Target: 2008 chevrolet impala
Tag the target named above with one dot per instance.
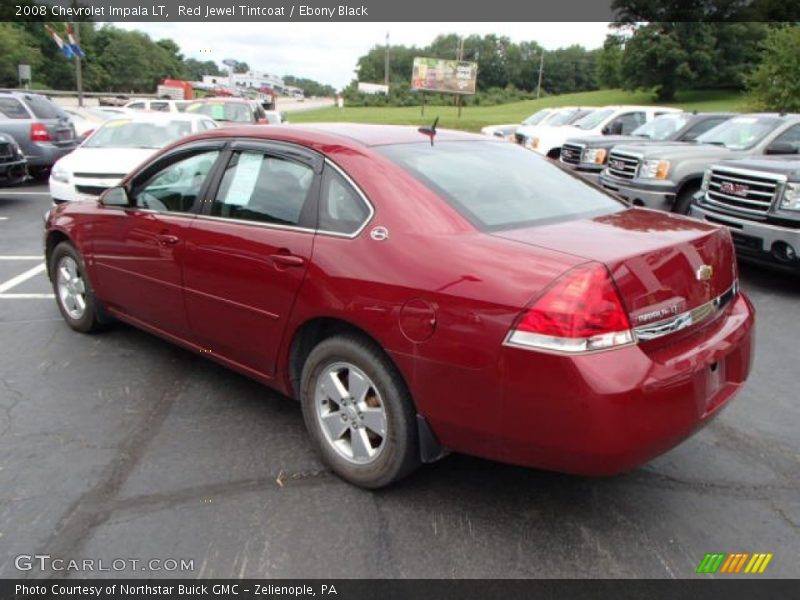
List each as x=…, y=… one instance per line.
x=417, y=292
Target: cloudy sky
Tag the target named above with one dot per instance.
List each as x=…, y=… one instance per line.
x=327, y=52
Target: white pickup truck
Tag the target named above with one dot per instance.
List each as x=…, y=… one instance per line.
x=605, y=120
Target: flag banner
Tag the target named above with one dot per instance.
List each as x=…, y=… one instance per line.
x=73, y=43
x=65, y=48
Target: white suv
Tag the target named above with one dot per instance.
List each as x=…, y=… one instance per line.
x=605, y=120
x=159, y=105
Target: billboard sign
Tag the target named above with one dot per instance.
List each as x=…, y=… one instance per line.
x=445, y=76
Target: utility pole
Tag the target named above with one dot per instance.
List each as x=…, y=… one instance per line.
x=78, y=69
x=541, y=66
x=386, y=63
x=460, y=57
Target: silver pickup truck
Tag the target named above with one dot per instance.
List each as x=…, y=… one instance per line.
x=666, y=176
x=758, y=199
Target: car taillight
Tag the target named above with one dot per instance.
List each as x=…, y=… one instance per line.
x=580, y=312
x=39, y=133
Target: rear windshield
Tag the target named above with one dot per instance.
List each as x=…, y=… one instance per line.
x=236, y=112
x=43, y=108
x=497, y=185
x=12, y=108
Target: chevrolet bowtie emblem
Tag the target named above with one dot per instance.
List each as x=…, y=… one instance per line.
x=704, y=272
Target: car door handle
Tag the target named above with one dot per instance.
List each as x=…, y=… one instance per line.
x=165, y=239
x=287, y=260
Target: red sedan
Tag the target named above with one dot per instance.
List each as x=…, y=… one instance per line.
x=418, y=293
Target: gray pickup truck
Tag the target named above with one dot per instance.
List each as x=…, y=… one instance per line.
x=666, y=176
x=588, y=155
x=758, y=199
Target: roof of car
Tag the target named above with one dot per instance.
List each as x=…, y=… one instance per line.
x=345, y=134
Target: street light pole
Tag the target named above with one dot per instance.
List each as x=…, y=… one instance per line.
x=78, y=69
x=541, y=66
x=386, y=63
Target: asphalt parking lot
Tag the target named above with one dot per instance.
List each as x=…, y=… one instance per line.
x=120, y=445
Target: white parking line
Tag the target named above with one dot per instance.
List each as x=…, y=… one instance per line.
x=21, y=257
x=3, y=218
x=26, y=296
x=10, y=193
x=15, y=281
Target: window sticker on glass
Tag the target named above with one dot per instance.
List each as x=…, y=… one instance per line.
x=244, y=179
x=217, y=111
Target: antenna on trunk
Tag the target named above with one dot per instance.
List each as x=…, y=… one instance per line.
x=430, y=131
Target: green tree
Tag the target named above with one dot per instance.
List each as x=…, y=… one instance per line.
x=195, y=69
x=609, y=62
x=17, y=46
x=241, y=67
x=775, y=84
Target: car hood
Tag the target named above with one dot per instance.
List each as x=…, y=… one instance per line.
x=106, y=161
x=678, y=150
x=607, y=141
x=782, y=165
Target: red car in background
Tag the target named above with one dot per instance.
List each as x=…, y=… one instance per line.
x=418, y=292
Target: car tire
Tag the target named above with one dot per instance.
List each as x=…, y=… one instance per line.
x=74, y=293
x=684, y=199
x=39, y=173
x=358, y=412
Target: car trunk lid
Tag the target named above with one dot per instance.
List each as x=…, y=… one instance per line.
x=663, y=265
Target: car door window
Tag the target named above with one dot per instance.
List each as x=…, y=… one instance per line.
x=13, y=109
x=264, y=188
x=629, y=122
x=341, y=209
x=136, y=105
x=160, y=106
x=175, y=188
x=790, y=136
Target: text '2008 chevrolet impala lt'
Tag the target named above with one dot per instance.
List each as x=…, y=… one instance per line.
x=418, y=292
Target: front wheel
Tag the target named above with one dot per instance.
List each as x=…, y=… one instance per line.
x=684, y=200
x=73, y=290
x=358, y=412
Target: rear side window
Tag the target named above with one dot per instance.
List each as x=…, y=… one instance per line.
x=341, y=209
x=13, y=109
x=497, y=185
x=161, y=106
x=264, y=188
x=43, y=108
x=137, y=106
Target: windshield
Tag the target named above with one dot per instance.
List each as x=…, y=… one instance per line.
x=237, y=112
x=593, y=119
x=537, y=117
x=563, y=117
x=740, y=133
x=663, y=127
x=500, y=186
x=124, y=133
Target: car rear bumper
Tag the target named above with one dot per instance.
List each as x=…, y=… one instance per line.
x=45, y=155
x=604, y=413
x=657, y=198
x=756, y=240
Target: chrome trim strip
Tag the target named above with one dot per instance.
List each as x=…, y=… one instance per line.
x=749, y=173
x=652, y=331
x=735, y=209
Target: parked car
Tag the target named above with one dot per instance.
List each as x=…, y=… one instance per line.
x=13, y=166
x=560, y=117
x=41, y=129
x=508, y=130
x=464, y=294
x=86, y=120
x=758, y=199
x=606, y=120
x=589, y=154
x=666, y=176
x=230, y=111
x=157, y=104
x=115, y=148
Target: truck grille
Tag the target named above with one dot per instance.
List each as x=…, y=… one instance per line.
x=571, y=153
x=623, y=166
x=742, y=191
x=519, y=138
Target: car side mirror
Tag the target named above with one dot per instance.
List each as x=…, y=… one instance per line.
x=116, y=196
x=781, y=148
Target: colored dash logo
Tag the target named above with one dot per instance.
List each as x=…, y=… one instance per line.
x=741, y=562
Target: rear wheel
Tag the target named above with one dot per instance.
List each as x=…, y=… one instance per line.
x=358, y=412
x=73, y=290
